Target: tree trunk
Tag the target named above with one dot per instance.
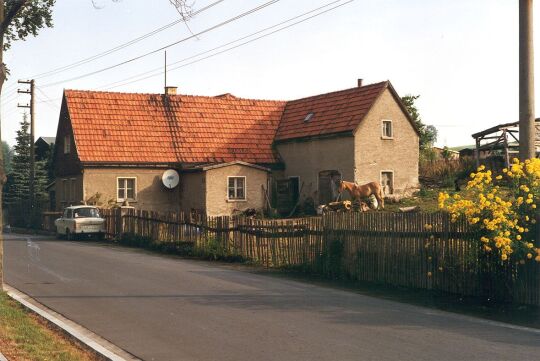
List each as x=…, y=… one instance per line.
x=2, y=171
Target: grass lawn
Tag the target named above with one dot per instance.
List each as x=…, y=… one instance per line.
x=25, y=336
x=426, y=199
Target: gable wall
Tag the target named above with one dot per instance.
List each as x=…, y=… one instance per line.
x=305, y=159
x=65, y=164
x=372, y=154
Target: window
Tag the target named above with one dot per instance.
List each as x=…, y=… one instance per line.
x=86, y=213
x=73, y=191
x=328, y=186
x=309, y=117
x=236, y=188
x=126, y=189
x=387, y=182
x=294, y=184
x=387, y=130
x=65, y=190
x=67, y=144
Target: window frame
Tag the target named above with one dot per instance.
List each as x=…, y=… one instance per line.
x=125, y=178
x=245, y=189
x=64, y=190
x=333, y=173
x=393, y=180
x=72, y=189
x=67, y=144
x=383, y=135
x=297, y=177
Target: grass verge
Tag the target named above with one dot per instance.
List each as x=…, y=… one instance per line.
x=25, y=336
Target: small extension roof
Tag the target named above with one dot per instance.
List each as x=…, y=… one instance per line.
x=48, y=140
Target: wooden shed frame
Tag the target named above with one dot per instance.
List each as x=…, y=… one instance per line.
x=504, y=137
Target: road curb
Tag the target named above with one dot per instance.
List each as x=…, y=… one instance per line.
x=93, y=341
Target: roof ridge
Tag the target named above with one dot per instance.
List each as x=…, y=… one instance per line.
x=234, y=97
x=386, y=82
x=214, y=97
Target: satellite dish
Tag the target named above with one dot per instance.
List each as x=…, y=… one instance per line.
x=170, y=178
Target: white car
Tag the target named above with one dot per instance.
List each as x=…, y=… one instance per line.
x=80, y=220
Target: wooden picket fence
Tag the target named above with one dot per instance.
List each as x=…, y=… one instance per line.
x=388, y=248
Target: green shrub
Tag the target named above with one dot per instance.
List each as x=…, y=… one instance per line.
x=213, y=249
x=330, y=262
x=178, y=247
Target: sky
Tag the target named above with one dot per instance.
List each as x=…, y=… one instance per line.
x=460, y=56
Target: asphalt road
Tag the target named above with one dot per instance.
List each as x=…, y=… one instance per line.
x=163, y=308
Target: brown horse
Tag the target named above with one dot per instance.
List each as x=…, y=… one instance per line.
x=357, y=192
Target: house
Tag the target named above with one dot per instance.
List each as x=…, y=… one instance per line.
x=446, y=153
x=113, y=148
x=228, y=152
x=361, y=134
x=43, y=145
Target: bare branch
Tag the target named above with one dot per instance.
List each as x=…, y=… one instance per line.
x=98, y=7
x=184, y=9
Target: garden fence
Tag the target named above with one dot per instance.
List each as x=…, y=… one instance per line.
x=415, y=250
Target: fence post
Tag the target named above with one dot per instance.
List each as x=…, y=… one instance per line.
x=536, y=275
x=122, y=211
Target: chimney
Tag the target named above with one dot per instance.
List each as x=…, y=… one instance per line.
x=170, y=90
x=360, y=82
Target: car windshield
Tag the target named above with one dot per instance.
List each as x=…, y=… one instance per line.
x=86, y=213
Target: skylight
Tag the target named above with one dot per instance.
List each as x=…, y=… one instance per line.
x=308, y=117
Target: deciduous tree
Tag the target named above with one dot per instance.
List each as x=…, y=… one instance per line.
x=18, y=20
x=428, y=133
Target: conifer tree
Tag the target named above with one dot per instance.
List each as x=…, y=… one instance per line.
x=17, y=192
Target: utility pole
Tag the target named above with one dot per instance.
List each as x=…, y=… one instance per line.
x=527, y=149
x=32, y=147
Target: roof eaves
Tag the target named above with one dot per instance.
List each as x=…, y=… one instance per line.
x=236, y=162
x=307, y=138
x=403, y=107
x=93, y=164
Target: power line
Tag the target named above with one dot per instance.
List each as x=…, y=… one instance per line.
x=119, y=47
x=48, y=101
x=249, y=12
x=9, y=97
x=123, y=82
x=242, y=44
x=160, y=70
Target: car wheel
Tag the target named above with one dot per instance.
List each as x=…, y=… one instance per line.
x=58, y=235
x=69, y=235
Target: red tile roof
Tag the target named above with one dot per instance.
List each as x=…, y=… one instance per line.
x=151, y=128
x=335, y=112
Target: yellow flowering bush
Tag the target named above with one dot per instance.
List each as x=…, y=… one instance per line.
x=503, y=208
